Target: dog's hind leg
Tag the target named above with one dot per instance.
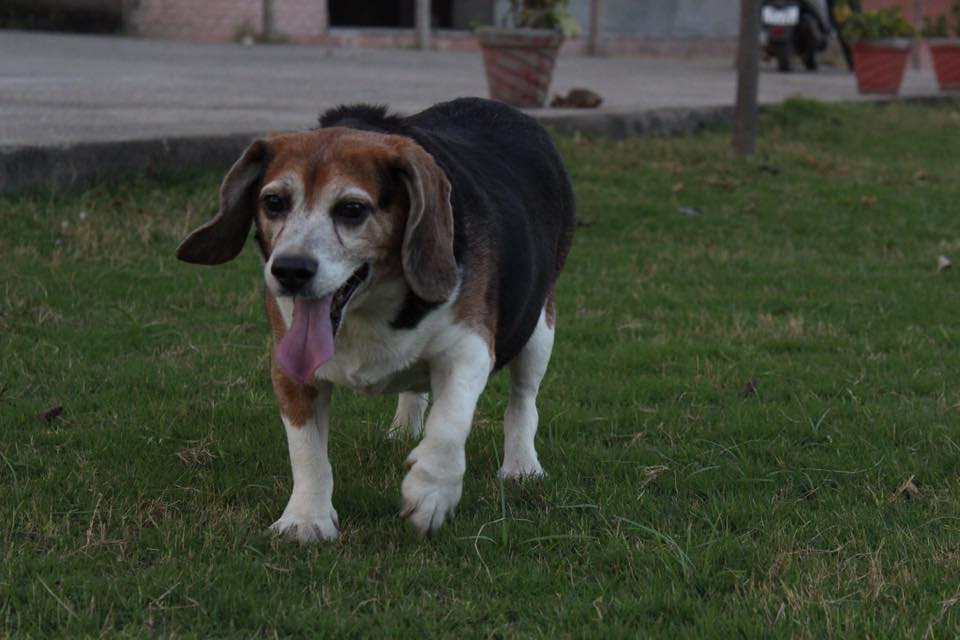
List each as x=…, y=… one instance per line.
x=520, y=421
x=408, y=419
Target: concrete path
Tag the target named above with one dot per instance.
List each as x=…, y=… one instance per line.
x=75, y=110
x=57, y=89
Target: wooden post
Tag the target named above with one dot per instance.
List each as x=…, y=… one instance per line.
x=324, y=17
x=422, y=20
x=918, y=26
x=593, y=36
x=269, y=29
x=748, y=63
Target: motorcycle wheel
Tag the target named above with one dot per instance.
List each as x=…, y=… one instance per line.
x=782, y=52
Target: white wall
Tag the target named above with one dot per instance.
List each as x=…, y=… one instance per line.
x=659, y=19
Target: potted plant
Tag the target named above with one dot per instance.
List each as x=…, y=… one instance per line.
x=881, y=45
x=519, y=55
x=945, y=49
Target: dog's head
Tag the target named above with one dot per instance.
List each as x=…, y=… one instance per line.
x=334, y=209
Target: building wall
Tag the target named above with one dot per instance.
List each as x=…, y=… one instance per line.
x=224, y=20
x=650, y=27
x=658, y=19
x=668, y=27
x=300, y=20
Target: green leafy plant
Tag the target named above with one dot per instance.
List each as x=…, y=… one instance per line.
x=542, y=14
x=935, y=27
x=882, y=24
x=940, y=26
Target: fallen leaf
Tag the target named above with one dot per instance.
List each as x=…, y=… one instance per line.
x=906, y=489
x=577, y=99
x=749, y=390
x=769, y=168
x=669, y=167
x=677, y=188
x=943, y=263
x=722, y=182
x=868, y=201
x=51, y=413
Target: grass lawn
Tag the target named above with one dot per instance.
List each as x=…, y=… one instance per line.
x=751, y=423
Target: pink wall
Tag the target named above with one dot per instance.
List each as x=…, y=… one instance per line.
x=225, y=20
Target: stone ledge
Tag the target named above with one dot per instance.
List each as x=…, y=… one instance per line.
x=80, y=165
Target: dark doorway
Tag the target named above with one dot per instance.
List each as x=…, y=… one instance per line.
x=446, y=14
x=387, y=13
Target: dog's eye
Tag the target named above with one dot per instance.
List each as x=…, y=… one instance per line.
x=274, y=205
x=351, y=212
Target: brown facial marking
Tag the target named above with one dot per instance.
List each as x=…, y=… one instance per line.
x=296, y=399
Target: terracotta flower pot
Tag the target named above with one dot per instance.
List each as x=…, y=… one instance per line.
x=879, y=65
x=946, y=63
x=519, y=63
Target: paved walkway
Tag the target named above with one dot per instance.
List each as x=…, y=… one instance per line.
x=57, y=89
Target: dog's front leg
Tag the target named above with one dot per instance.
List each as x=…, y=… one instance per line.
x=432, y=487
x=309, y=515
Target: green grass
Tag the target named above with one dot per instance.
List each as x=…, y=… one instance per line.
x=676, y=505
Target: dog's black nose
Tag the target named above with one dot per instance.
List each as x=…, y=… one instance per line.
x=293, y=272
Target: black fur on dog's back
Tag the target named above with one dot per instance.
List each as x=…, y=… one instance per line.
x=509, y=191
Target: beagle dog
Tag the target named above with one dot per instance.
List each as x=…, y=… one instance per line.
x=408, y=255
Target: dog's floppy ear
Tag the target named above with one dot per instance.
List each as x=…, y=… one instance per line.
x=222, y=238
x=427, y=253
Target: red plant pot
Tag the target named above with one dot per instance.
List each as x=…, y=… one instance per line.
x=879, y=65
x=519, y=63
x=946, y=63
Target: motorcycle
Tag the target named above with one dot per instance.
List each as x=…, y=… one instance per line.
x=800, y=27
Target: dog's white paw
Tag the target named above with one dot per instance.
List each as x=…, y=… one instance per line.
x=431, y=491
x=308, y=527
x=521, y=468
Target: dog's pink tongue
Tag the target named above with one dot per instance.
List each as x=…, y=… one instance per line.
x=309, y=340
